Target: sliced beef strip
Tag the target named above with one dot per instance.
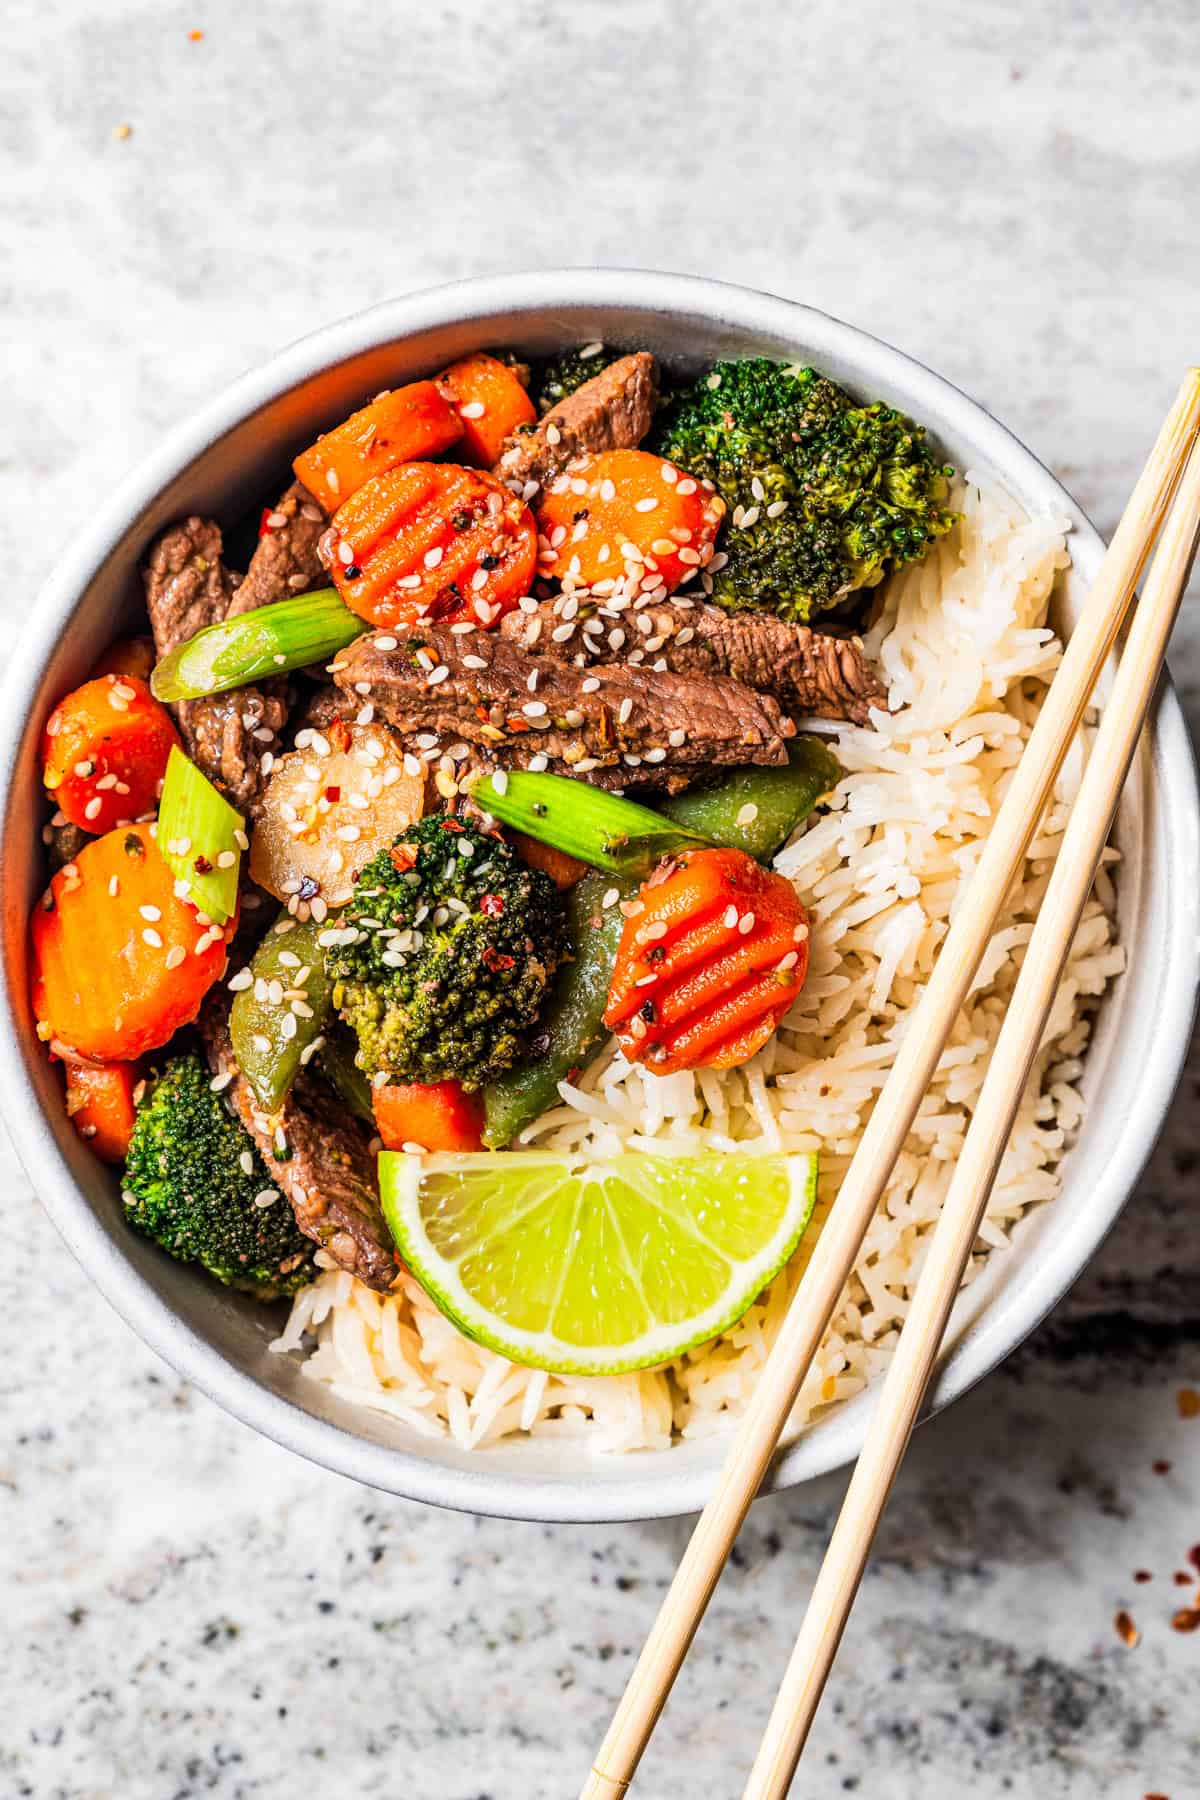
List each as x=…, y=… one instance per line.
x=187, y=588
x=808, y=672
x=612, y=411
x=329, y=1176
x=614, y=716
x=285, y=562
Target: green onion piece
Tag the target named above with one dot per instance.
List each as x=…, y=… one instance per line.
x=201, y=838
x=602, y=829
x=289, y=635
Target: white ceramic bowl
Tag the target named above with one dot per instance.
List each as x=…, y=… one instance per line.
x=233, y=453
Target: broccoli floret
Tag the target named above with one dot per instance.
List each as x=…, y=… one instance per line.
x=187, y=1187
x=824, y=496
x=455, y=942
x=562, y=374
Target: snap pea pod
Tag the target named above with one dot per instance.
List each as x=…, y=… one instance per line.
x=288, y=982
x=757, y=810
x=344, y=1075
x=570, y=1029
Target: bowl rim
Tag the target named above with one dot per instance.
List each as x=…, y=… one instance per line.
x=481, y=1489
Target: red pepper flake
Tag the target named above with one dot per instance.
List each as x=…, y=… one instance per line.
x=452, y=826
x=339, y=735
x=202, y=865
x=1142, y=1575
x=1181, y=1578
x=497, y=961
x=1127, y=1631
x=333, y=795
x=1187, y=1620
x=1188, y=1402
x=1161, y=1467
x=264, y=521
x=1156, y=1797
x=402, y=857
x=492, y=906
x=1193, y=1556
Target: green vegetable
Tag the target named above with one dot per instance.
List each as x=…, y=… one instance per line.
x=343, y=1074
x=570, y=1029
x=601, y=829
x=860, y=491
x=187, y=1186
x=289, y=635
x=274, y=1022
x=442, y=958
x=201, y=838
x=565, y=373
x=757, y=810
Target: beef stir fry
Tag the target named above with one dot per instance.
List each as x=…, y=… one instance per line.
x=482, y=760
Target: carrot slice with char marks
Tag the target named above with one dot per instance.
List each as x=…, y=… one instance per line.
x=397, y=427
x=710, y=960
x=436, y=539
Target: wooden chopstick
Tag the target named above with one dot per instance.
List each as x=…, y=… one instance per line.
x=837, y=1247
x=975, y=1172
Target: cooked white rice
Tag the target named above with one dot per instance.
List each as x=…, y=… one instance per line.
x=965, y=652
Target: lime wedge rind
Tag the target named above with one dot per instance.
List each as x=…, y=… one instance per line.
x=403, y=1178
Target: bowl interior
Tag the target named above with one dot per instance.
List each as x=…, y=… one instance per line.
x=235, y=456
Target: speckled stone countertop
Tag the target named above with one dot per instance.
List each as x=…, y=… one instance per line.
x=1002, y=189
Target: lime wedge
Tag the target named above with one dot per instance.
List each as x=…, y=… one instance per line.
x=595, y=1269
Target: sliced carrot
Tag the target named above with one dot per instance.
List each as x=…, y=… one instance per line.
x=438, y=1115
x=119, y=962
x=491, y=402
x=128, y=656
x=563, y=870
x=397, y=427
x=101, y=1106
x=105, y=750
x=627, y=514
x=433, y=539
x=709, y=962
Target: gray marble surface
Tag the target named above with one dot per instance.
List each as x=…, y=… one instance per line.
x=1005, y=190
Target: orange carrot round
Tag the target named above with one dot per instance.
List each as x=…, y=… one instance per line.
x=711, y=958
x=101, y=1106
x=563, y=869
x=437, y=1115
x=397, y=427
x=128, y=656
x=119, y=962
x=105, y=750
x=433, y=539
x=626, y=514
x=491, y=401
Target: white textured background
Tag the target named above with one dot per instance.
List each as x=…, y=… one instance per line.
x=1006, y=190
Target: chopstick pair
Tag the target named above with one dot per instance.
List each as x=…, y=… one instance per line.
x=1173, y=469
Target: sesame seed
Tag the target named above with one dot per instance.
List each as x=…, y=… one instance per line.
x=288, y=1027
x=385, y=643
x=240, y=838
x=656, y=755
x=590, y=685
x=749, y=518
x=268, y=763
x=776, y=507
x=349, y=834
x=531, y=681
x=747, y=814
x=474, y=409
x=332, y=482
x=151, y=937
x=433, y=557
x=689, y=556
x=219, y=1083
x=114, y=885
x=746, y=924
x=263, y=734
x=787, y=962
x=624, y=710
x=757, y=489
x=800, y=934
x=345, y=553
x=261, y=1043
x=267, y=1197
x=616, y=638
x=608, y=489
x=646, y=505
x=729, y=918
x=611, y=896
x=152, y=914
x=539, y=762
x=590, y=350
x=92, y=809
x=553, y=434
x=687, y=486
x=226, y=859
